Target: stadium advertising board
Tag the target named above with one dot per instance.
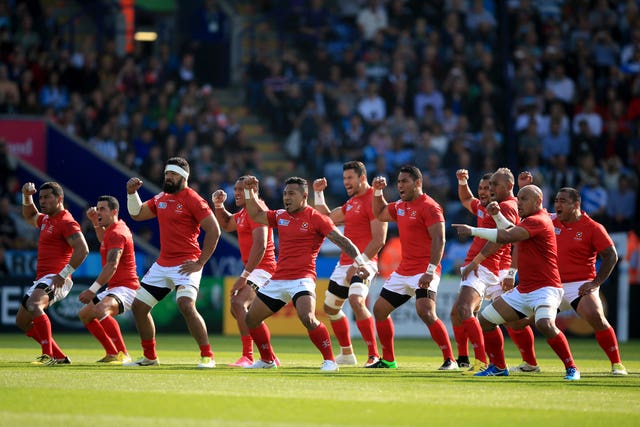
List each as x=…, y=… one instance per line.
x=25, y=140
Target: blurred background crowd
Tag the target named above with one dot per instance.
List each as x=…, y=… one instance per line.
x=548, y=86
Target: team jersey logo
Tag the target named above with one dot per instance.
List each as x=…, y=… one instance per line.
x=557, y=230
x=480, y=214
x=578, y=235
x=413, y=214
x=162, y=205
x=349, y=207
x=283, y=222
x=305, y=225
x=400, y=212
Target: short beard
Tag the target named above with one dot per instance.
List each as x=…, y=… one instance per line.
x=171, y=188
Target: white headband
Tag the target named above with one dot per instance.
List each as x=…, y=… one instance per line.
x=178, y=170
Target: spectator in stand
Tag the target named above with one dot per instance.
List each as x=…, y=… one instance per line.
x=621, y=206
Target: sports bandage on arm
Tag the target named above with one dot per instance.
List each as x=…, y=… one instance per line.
x=490, y=234
x=318, y=198
x=501, y=222
x=27, y=200
x=462, y=181
x=95, y=287
x=245, y=273
x=247, y=194
x=66, y=271
x=511, y=273
x=134, y=204
x=431, y=269
x=377, y=192
x=360, y=260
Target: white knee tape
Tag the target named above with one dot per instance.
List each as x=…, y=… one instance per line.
x=545, y=312
x=188, y=292
x=359, y=288
x=492, y=315
x=330, y=300
x=144, y=296
x=333, y=317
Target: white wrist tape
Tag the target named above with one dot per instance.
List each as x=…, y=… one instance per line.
x=462, y=182
x=490, y=234
x=377, y=192
x=318, y=198
x=501, y=222
x=247, y=193
x=364, y=257
x=95, y=287
x=27, y=199
x=245, y=274
x=66, y=271
x=134, y=204
x=512, y=273
x=361, y=260
x=431, y=269
x=218, y=205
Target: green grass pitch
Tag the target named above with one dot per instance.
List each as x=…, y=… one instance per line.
x=298, y=394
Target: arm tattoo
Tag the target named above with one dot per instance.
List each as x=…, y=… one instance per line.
x=343, y=243
x=114, y=255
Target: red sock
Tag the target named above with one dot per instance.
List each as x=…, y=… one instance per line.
x=205, y=350
x=560, y=345
x=149, y=349
x=97, y=331
x=385, y=333
x=43, y=332
x=33, y=333
x=247, y=346
x=57, y=352
x=341, y=330
x=494, y=342
x=474, y=332
x=609, y=343
x=112, y=328
x=322, y=340
x=368, y=332
x=523, y=339
x=441, y=337
x=462, y=341
x=262, y=337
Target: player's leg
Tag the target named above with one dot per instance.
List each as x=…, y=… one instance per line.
x=186, y=298
x=35, y=304
x=522, y=336
x=334, y=300
x=358, y=292
x=305, y=304
x=426, y=310
x=459, y=336
x=89, y=315
x=498, y=312
x=264, y=305
x=386, y=303
x=546, y=302
x=469, y=300
x=240, y=303
x=589, y=307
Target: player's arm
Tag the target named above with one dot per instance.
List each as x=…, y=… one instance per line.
x=258, y=247
x=318, y=197
x=378, y=238
x=92, y=215
x=211, y=237
x=512, y=235
x=224, y=217
x=609, y=257
x=509, y=282
x=464, y=191
x=255, y=211
x=347, y=246
x=80, y=249
x=379, y=207
x=436, y=231
x=107, y=272
x=139, y=211
x=29, y=211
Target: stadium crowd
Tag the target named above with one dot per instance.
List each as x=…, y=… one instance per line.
x=384, y=82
